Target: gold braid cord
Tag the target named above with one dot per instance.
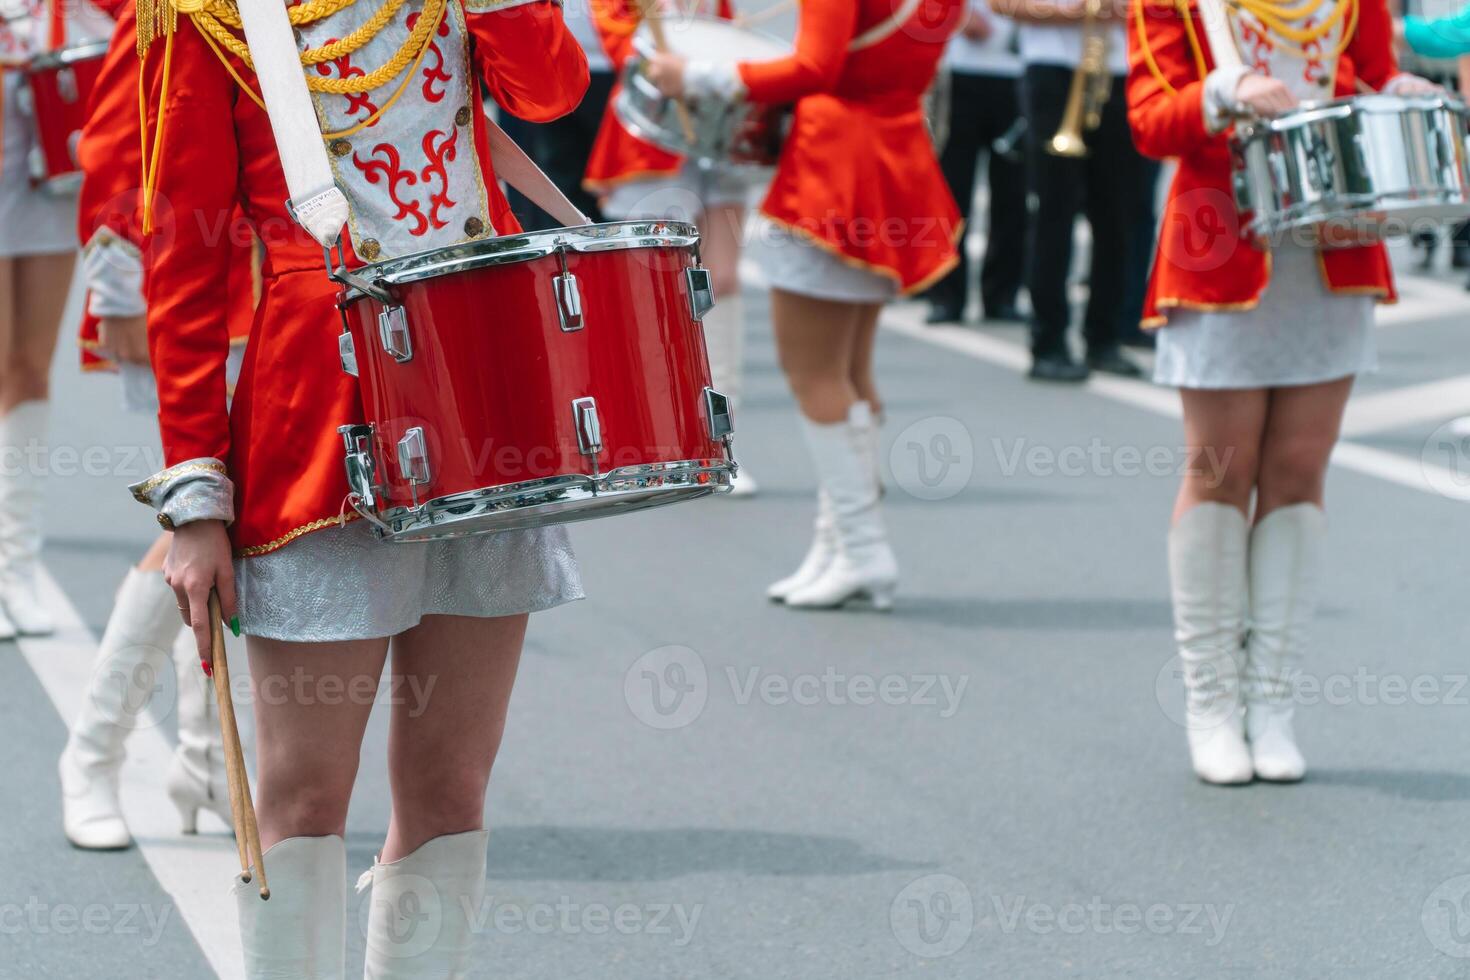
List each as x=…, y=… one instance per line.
x=1276, y=17
x=219, y=20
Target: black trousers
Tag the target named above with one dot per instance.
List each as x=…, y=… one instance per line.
x=1104, y=186
x=561, y=148
x=982, y=108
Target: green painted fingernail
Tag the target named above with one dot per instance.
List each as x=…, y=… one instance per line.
x=235, y=625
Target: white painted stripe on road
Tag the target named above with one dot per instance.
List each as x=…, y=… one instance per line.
x=1422, y=298
x=1394, y=468
x=196, y=871
x=1432, y=401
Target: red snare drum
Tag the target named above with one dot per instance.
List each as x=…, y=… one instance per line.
x=532, y=379
x=61, y=84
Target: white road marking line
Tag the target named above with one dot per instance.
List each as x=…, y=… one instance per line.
x=1393, y=467
x=1432, y=401
x=1421, y=298
x=195, y=871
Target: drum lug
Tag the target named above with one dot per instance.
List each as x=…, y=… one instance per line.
x=717, y=415
x=362, y=468
x=347, y=351
x=589, y=428
x=568, y=302
x=66, y=85
x=701, y=291
x=413, y=457
x=393, y=332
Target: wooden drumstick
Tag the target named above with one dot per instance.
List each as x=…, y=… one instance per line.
x=648, y=11
x=247, y=834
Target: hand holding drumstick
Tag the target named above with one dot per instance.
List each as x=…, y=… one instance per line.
x=666, y=70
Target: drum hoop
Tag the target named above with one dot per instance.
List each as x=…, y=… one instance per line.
x=68, y=56
x=612, y=236
x=1348, y=106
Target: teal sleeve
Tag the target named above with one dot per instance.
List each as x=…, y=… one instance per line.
x=1446, y=37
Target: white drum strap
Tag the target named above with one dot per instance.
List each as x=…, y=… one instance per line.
x=520, y=171
x=1217, y=31
x=884, y=30
x=316, y=203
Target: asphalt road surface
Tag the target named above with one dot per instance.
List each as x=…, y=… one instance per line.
x=989, y=782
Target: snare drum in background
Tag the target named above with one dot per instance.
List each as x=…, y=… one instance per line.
x=532, y=379
x=736, y=133
x=1353, y=170
x=60, y=85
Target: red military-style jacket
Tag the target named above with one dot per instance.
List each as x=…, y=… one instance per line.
x=1205, y=261
x=858, y=175
x=417, y=174
x=109, y=152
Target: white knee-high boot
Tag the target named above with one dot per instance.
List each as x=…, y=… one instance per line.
x=196, y=776
x=1207, y=572
x=1285, y=558
x=724, y=341
x=426, y=909
x=301, y=932
x=864, y=564
x=131, y=658
x=823, y=549
x=22, y=436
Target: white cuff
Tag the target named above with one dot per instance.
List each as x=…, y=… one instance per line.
x=1220, y=103
x=711, y=79
x=113, y=271
x=1392, y=86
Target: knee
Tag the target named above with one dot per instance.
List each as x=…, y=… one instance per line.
x=1227, y=475
x=1294, y=473
x=444, y=803
x=304, y=802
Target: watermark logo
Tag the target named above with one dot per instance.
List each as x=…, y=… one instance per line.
x=667, y=688
x=933, y=458
x=1445, y=459
x=933, y=916
x=1445, y=917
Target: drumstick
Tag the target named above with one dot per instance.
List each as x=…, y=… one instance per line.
x=247, y=834
x=648, y=10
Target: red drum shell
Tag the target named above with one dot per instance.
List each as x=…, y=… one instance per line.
x=61, y=85
x=493, y=376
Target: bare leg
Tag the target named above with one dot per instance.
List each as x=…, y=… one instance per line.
x=815, y=339
x=1301, y=428
x=720, y=229
x=863, y=381
x=40, y=283
x=452, y=676
x=312, y=702
x=1222, y=432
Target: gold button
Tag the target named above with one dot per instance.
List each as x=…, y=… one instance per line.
x=341, y=148
x=369, y=249
x=165, y=522
x=462, y=116
x=474, y=227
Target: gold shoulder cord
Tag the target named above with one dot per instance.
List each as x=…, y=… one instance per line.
x=218, y=22
x=1278, y=18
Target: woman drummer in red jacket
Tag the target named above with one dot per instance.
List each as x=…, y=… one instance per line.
x=255, y=494
x=857, y=214
x=37, y=253
x=1263, y=344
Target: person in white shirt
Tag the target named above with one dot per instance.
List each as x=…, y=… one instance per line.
x=1101, y=185
x=984, y=108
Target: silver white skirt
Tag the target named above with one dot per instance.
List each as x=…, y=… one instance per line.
x=32, y=222
x=793, y=264
x=1298, y=334
x=344, y=584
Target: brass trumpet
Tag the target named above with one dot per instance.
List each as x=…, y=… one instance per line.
x=1091, y=85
